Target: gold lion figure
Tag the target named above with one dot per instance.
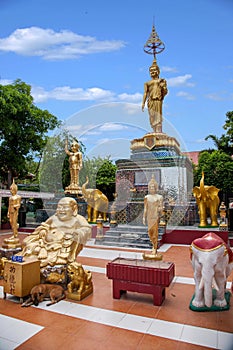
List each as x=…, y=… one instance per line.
x=80, y=279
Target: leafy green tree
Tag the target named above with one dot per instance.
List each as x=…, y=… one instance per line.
x=105, y=179
x=23, y=132
x=50, y=172
x=218, y=169
x=225, y=141
x=101, y=174
x=54, y=168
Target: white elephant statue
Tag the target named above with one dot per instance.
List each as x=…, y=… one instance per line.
x=212, y=261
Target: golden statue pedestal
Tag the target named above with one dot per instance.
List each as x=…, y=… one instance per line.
x=11, y=243
x=80, y=295
x=73, y=189
x=154, y=140
x=152, y=256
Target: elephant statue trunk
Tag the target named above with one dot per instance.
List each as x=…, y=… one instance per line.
x=84, y=190
x=202, y=188
x=212, y=261
x=97, y=202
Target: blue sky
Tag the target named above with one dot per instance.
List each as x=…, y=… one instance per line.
x=86, y=64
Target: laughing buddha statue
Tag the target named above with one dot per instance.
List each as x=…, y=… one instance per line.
x=59, y=239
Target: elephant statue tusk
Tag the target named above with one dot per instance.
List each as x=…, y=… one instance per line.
x=215, y=284
x=201, y=285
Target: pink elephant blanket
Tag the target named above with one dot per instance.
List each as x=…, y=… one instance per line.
x=211, y=241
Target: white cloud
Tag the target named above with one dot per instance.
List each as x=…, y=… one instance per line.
x=39, y=94
x=112, y=127
x=92, y=133
x=181, y=80
x=94, y=129
x=134, y=98
x=131, y=108
x=186, y=95
x=76, y=94
x=220, y=96
x=66, y=93
x=104, y=140
x=215, y=96
x=200, y=140
x=79, y=129
x=6, y=82
x=51, y=45
x=168, y=69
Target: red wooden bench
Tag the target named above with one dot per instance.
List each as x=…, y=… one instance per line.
x=142, y=276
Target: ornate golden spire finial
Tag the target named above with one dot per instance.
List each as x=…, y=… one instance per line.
x=154, y=45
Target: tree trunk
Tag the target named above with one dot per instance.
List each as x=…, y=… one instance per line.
x=9, y=179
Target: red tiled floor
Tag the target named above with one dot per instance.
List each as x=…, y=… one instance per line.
x=63, y=331
x=149, y=342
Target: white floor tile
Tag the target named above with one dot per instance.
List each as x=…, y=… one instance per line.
x=200, y=336
x=135, y=323
x=225, y=341
x=166, y=329
x=6, y=344
x=184, y=280
x=62, y=307
x=16, y=330
x=95, y=269
x=164, y=248
x=108, y=317
x=108, y=254
x=82, y=311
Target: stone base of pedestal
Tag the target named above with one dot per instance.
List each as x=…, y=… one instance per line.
x=54, y=274
x=9, y=252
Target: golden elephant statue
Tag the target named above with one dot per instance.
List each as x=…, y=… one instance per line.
x=97, y=202
x=208, y=202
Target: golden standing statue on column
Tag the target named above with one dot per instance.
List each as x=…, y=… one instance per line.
x=156, y=89
x=153, y=208
x=75, y=165
x=12, y=214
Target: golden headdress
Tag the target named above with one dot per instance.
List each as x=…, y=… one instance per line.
x=14, y=186
x=153, y=182
x=154, y=65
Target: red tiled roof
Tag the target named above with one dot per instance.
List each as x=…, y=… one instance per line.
x=193, y=156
